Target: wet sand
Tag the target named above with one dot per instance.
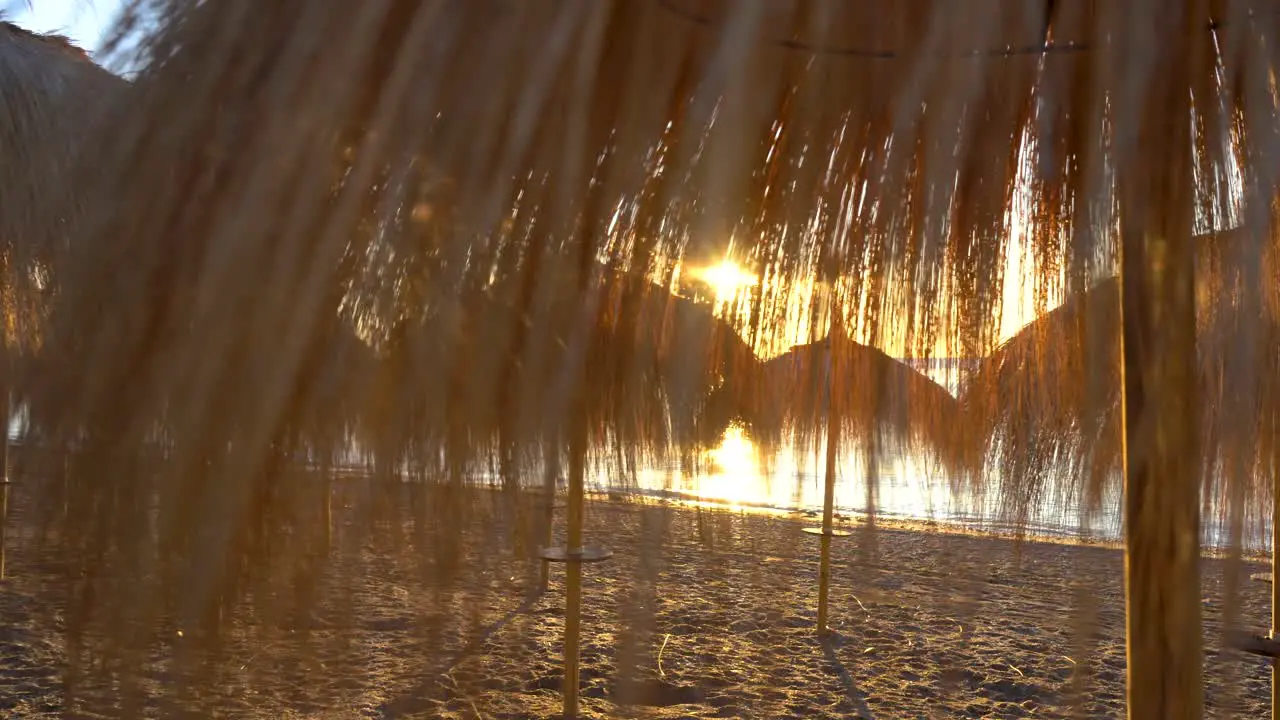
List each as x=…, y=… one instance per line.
x=711, y=612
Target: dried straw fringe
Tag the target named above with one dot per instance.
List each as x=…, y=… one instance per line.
x=449, y=228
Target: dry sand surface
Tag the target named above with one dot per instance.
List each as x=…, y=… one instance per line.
x=712, y=613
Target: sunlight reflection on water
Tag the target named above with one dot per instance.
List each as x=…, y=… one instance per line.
x=738, y=475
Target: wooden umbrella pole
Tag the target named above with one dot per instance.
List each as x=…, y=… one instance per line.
x=1275, y=574
x=1160, y=412
x=8, y=418
x=326, y=488
x=827, y=501
x=550, y=474
x=833, y=439
x=573, y=555
x=1162, y=509
x=4, y=482
x=573, y=570
x=828, y=531
x=4, y=525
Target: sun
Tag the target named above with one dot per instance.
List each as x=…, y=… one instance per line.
x=725, y=278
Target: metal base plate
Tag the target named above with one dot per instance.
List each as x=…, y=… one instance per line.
x=540, y=502
x=1256, y=644
x=833, y=533
x=579, y=555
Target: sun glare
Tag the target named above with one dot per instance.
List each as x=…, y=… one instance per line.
x=726, y=279
x=735, y=476
x=736, y=455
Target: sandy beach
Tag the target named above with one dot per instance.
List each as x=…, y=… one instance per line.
x=712, y=612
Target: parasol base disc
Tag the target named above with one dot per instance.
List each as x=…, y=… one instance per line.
x=578, y=555
x=541, y=501
x=1255, y=644
x=831, y=533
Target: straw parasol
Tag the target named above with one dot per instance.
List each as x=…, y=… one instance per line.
x=882, y=145
x=903, y=263
x=1047, y=404
x=1019, y=406
x=53, y=95
x=878, y=395
x=655, y=356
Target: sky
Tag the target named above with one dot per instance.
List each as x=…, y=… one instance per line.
x=84, y=21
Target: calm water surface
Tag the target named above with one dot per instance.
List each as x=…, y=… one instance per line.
x=737, y=473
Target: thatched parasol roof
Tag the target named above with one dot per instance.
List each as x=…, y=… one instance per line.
x=649, y=357
x=1048, y=399
x=891, y=147
x=882, y=146
x=1046, y=405
x=878, y=398
x=53, y=95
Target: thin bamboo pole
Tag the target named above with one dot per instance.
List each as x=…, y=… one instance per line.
x=867, y=539
x=4, y=526
x=828, y=502
x=1160, y=412
x=573, y=569
x=326, y=487
x=1275, y=573
x=573, y=555
x=4, y=484
x=8, y=419
x=551, y=473
x=827, y=531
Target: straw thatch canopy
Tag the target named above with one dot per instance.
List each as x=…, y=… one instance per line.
x=53, y=95
x=650, y=358
x=272, y=176
x=877, y=399
x=886, y=147
x=1046, y=405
